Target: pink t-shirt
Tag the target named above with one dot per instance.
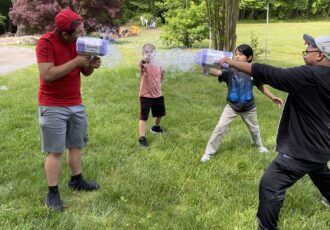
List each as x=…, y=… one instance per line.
x=151, y=81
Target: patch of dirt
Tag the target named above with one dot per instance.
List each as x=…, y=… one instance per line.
x=12, y=57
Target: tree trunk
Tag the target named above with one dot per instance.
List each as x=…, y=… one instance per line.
x=223, y=15
x=21, y=31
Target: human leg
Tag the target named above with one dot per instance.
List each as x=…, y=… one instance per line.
x=144, y=114
x=77, y=137
x=52, y=122
x=157, y=121
x=74, y=160
x=251, y=121
x=282, y=173
x=53, y=168
x=158, y=112
x=227, y=116
x=142, y=128
x=321, y=179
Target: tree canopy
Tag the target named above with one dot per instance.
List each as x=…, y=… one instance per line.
x=37, y=15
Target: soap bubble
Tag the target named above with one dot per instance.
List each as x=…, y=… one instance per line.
x=113, y=57
x=174, y=60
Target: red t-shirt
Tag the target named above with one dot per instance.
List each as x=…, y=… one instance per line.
x=64, y=91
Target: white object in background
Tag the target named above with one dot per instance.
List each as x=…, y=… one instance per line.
x=3, y=87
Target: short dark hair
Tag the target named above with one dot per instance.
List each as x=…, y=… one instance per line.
x=246, y=50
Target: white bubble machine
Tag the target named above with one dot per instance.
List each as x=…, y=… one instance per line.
x=210, y=57
x=91, y=46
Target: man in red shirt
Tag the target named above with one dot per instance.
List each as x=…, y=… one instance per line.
x=62, y=117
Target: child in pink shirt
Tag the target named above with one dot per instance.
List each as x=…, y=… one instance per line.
x=151, y=97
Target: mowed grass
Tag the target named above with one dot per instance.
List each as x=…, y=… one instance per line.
x=164, y=186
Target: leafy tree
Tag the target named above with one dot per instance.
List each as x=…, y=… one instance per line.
x=222, y=15
x=2, y=19
x=284, y=9
x=184, y=26
x=34, y=16
x=150, y=9
x=4, y=9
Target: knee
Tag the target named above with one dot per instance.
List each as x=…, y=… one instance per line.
x=269, y=191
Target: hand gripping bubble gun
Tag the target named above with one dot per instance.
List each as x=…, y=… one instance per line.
x=91, y=46
x=210, y=57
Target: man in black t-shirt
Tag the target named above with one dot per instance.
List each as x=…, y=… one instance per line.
x=303, y=140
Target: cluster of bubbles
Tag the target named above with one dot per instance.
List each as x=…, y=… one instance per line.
x=113, y=56
x=174, y=60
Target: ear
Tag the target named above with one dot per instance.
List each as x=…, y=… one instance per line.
x=250, y=58
x=65, y=35
x=320, y=57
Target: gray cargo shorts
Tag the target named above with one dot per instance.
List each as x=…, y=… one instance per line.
x=62, y=128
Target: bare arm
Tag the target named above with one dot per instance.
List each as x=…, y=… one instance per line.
x=214, y=72
x=267, y=93
x=245, y=67
x=49, y=72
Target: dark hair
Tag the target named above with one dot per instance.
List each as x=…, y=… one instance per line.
x=246, y=50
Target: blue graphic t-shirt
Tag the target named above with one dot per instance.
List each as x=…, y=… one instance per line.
x=240, y=89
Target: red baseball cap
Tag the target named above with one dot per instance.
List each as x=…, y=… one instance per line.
x=64, y=19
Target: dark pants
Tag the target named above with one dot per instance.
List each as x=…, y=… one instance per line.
x=281, y=174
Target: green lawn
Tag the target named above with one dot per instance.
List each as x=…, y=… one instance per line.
x=164, y=186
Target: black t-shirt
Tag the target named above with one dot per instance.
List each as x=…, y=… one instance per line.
x=240, y=90
x=304, y=129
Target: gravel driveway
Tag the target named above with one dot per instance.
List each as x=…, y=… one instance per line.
x=13, y=58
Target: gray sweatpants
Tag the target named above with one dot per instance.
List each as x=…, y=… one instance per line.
x=227, y=116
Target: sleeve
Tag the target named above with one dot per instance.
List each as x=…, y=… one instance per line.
x=224, y=76
x=288, y=80
x=44, y=51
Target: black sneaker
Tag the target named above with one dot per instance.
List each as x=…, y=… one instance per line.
x=156, y=129
x=53, y=201
x=82, y=185
x=143, y=142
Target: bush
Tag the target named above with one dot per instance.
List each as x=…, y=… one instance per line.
x=186, y=26
x=254, y=42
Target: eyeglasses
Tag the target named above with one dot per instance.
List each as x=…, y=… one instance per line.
x=309, y=51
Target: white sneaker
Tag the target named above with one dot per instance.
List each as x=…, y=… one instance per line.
x=205, y=158
x=262, y=149
x=325, y=202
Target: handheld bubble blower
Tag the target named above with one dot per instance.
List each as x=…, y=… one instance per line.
x=210, y=57
x=91, y=46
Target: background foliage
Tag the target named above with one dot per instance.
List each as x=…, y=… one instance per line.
x=164, y=186
x=102, y=12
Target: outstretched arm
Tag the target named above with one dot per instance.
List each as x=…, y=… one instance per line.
x=245, y=67
x=266, y=92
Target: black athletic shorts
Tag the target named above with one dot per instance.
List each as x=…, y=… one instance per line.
x=157, y=106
